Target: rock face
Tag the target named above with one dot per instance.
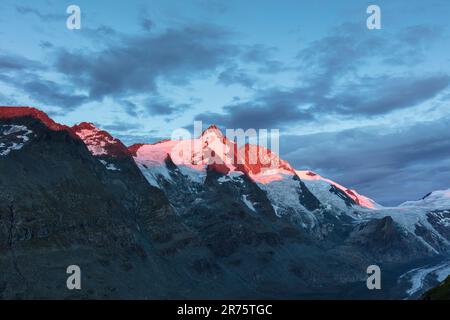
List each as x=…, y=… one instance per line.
x=441, y=292
x=60, y=206
x=142, y=222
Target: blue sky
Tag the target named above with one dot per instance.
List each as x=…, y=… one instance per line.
x=368, y=108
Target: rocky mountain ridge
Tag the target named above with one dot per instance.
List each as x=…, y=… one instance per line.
x=144, y=223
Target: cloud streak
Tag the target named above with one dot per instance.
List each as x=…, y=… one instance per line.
x=136, y=63
x=26, y=10
x=333, y=79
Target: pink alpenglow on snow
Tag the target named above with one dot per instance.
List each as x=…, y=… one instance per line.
x=99, y=142
x=213, y=151
x=19, y=112
x=194, y=157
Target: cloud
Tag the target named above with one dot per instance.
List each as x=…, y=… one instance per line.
x=263, y=57
x=125, y=66
x=52, y=93
x=349, y=47
x=101, y=34
x=7, y=100
x=130, y=139
x=147, y=24
x=129, y=107
x=136, y=63
x=213, y=6
x=159, y=106
x=46, y=45
x=380, y=95
x=333, y=79
x=43, y=16
x=342, y=56
x=272, y=110
x=25, y=75
x=120, y=126
x=154, y=105
x=12, y=62
x=367, y=97
x=235, y=75
x=47, y=92
x=411, y=44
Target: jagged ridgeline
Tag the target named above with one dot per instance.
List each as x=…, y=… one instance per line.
x=141, y=223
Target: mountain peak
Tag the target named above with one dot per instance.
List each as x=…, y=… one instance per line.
x=257, y=158
x=85, y=126
x=23, y=111
x=134, y=148
x=312, y=178
x=212, y=129
x=98, y=141
x=438, y=198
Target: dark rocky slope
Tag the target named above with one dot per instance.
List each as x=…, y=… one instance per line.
x=59, y=206
x=441, y=292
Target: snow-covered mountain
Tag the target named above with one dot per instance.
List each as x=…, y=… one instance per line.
x=234, y=162
x=284, y=186
x=209, y=208
x=322, y=187
x=102, y=145
x=428, y=219
x=434, y=200
x=100, y=142
x=301, y=194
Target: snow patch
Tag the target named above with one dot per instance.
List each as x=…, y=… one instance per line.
x=285, y=198
x=321, y=186
x=248, y=203
x=109, y=166
x=13, y=138
x=435, y=200
x=417, y=276
x=96, y=141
